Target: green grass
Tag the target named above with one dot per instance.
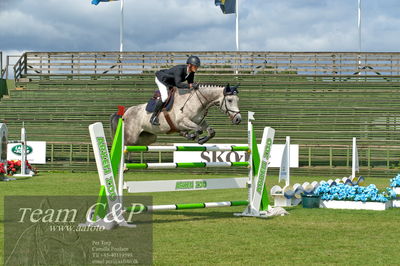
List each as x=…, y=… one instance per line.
x=215, y=236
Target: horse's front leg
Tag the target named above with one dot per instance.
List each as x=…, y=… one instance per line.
x=187, y=135
x=210, y=133
x=189, y=126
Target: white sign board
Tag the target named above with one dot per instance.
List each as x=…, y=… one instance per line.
x=36, y=152
x=235, y=156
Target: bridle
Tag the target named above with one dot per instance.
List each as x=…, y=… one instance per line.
x=232, y=114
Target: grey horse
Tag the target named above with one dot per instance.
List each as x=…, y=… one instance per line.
x=187, y=115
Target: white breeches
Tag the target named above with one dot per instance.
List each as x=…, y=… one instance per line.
x=163, y=90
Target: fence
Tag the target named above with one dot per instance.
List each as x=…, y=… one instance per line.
x=7, y=71
x=85, y=64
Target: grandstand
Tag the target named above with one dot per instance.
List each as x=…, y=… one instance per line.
x=321, y=100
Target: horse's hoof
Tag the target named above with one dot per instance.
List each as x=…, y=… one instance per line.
x=191, y=136
x=203, y=140
x=211, y=132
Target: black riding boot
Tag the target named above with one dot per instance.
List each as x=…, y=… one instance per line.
x=157, y=110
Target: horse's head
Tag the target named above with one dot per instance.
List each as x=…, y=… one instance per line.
x=230, y=104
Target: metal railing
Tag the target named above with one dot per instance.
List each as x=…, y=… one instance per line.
x=8, y=71
x=244, y=63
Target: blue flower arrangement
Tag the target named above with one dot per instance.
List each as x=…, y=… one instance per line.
x=353, y=193
x=395, y=182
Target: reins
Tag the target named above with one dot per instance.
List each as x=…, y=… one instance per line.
x=197, y=94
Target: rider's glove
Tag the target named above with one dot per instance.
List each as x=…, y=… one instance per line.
x=195, y=86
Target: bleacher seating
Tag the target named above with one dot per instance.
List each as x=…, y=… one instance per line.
x=320, y=112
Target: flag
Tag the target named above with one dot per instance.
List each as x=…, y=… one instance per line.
x=250, y=115
x=227, y=6
x=96, y=2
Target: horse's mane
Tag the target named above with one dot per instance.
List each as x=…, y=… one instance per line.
x=208, y=85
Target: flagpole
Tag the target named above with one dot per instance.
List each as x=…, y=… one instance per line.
x=121, y=28
x=237, y=32
x=237, y=26
x=359, y=26
x=359, y=36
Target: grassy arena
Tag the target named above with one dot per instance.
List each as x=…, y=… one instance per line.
x=214, y=236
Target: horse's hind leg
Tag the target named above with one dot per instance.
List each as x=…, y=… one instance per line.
x=146, y=138
x=143, y=139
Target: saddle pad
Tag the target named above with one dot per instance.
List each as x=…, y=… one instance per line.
x=151, y=104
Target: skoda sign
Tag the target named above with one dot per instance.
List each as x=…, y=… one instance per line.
x=276, y=151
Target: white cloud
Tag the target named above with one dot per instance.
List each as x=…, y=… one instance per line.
x=285, y=25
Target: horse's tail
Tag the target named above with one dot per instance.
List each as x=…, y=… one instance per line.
x=114, y=118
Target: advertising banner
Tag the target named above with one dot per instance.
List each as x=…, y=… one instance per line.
x=235, y=156
x=36, y=152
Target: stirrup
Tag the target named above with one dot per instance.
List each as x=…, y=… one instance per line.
x=154, y=120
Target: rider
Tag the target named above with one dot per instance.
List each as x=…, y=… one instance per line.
x=175, y=76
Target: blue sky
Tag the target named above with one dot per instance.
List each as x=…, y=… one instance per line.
x=181, y=25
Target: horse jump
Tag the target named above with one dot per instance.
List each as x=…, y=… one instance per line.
x=257, y=204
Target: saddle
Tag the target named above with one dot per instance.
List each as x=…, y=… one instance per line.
x=151, y=104
x=167, y=106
